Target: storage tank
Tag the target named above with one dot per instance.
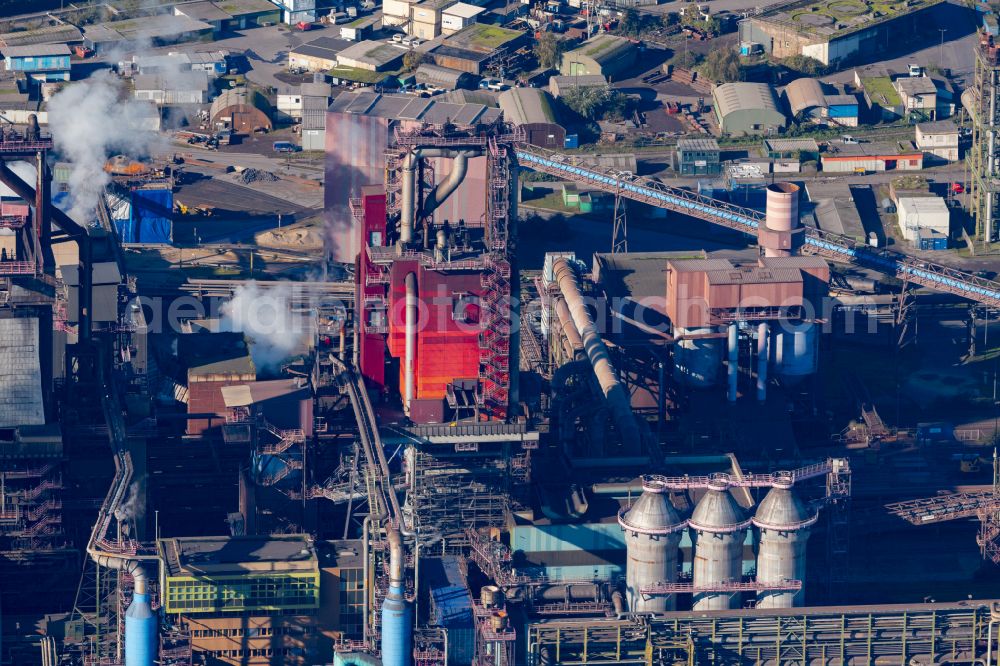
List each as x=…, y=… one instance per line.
x=719, y=529
x=796, y=352
x=697, y=361
x=141, y=641
x=653, y=530
x=784, y=522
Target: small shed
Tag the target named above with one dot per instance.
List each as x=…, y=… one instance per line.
x=241, y=109
x=533, y=110
x=919, y=215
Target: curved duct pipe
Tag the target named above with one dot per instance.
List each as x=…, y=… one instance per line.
x=397, y=636
x=396, y=559
x=437, y=196
x=410, y=358
x=597, y=352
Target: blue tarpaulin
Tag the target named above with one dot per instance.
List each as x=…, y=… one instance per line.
x=150, y=217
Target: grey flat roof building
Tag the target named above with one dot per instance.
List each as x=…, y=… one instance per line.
x=406, y=107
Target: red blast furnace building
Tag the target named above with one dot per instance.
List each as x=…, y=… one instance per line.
x=434, y=290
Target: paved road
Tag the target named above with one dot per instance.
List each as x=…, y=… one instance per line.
x=266, y=49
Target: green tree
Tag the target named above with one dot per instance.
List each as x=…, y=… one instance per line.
x=804, y=65
x=631, y=23
x=722, y=66
x=686, y=59
x=596, y=103
x=634, y=24
x=412, y=60
x=549, y=50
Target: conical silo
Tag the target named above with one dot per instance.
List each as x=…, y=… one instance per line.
x=719, y=529
x=653, y=531
x=784, y=522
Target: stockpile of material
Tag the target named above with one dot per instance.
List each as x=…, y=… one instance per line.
x=248, y=176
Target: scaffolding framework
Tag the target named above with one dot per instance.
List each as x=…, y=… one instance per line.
x=984, y=157
x=452, y=488
x=901, y=634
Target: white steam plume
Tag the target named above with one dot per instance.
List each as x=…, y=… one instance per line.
x=265, y=316
x=132, y=506
x=90, y=120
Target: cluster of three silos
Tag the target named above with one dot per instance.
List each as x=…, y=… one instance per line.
x=653, y=530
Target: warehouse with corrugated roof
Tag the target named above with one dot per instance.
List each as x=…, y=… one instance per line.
x=444, y=77
x=805, y=98
x=605, y=55
x=533, y=110
x=242, y=110
x=747, y=108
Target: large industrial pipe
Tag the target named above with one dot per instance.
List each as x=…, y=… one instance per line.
x=734, y=361
x=408, y=208
x=568, y=328
x=141, y=641
x=763, y=332
x=597, y=352
x=441, y=246
x=397, y=638
x=410, y=357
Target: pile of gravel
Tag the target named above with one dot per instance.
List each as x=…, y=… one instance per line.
x=248, y=176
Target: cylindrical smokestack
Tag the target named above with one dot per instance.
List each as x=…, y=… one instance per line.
x=409, y=196
x=141, y=640
x=763, y=331
x=410, y=357
x=780, y=235
x=397, y=637
x=734, y=361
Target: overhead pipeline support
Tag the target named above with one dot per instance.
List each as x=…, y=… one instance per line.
x=437, y=196
x=597, y=353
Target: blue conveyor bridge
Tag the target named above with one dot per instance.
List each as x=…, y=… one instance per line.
x=832, y=246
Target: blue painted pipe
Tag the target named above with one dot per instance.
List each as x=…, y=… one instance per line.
x=397, y=641
x=397, y=620
x=141, y=641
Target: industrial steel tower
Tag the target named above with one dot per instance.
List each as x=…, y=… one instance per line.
x=984, y=159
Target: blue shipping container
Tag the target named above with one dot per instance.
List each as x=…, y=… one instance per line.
x=572, y=141
x=150, y=219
